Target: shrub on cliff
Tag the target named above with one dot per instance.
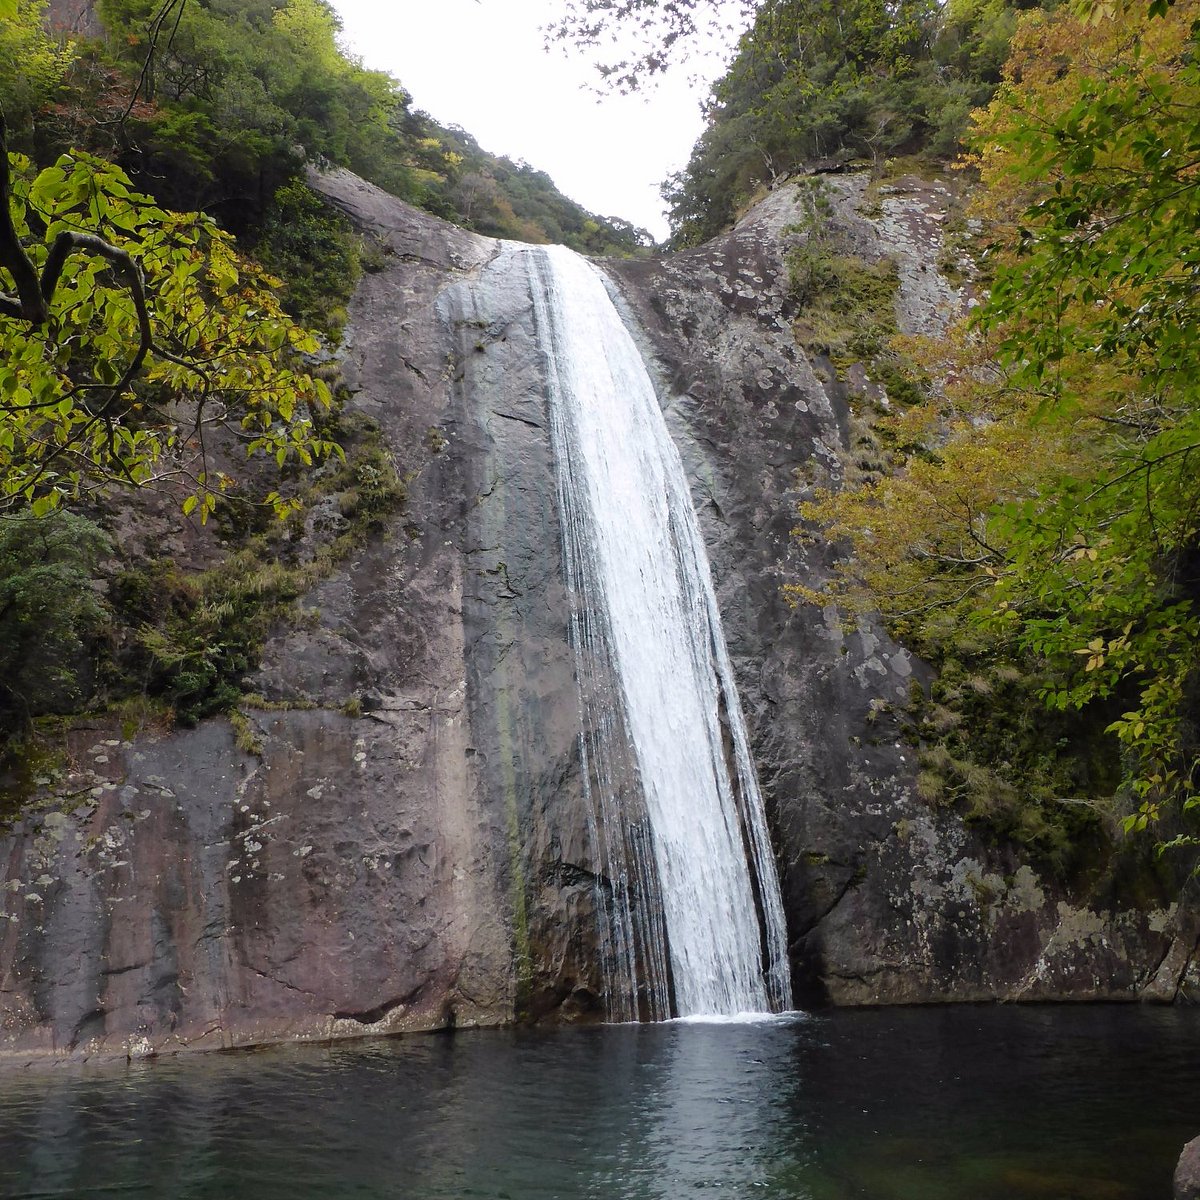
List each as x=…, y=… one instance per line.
x=48, y=614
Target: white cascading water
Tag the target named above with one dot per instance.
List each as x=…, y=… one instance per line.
x=694, y=916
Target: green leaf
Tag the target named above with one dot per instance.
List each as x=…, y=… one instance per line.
x=44, y=373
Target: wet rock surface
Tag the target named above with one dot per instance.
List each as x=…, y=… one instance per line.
x=888, y=900
x=407, y=846
x=523, y=700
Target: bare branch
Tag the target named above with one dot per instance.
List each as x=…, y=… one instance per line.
x=146, y=78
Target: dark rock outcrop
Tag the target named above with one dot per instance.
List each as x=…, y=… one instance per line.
x=407, y=846
x=74, y=16
x=1187, y=1172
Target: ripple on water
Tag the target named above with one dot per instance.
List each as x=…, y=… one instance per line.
x=942, y=1104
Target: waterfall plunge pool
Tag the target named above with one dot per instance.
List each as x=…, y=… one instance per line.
x=956, y=1103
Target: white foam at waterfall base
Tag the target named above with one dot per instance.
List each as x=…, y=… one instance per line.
x=744, y=1018
x=642, y=570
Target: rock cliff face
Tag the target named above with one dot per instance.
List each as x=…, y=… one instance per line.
x=425, y=862
x=346, y=880
x=889, y=901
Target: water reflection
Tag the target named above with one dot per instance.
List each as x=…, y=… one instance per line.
x=720, y=1115
x=952, y=1104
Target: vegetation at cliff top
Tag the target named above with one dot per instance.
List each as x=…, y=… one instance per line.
x=818, y=79
x=221, y=102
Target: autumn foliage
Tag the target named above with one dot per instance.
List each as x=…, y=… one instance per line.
x=1044, y=519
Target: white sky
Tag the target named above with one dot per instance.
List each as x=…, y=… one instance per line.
x=482, y=64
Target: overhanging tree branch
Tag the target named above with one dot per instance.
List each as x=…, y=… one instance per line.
x=157, y=24
x=34, y=296
x=31, y=304
x=91, y=320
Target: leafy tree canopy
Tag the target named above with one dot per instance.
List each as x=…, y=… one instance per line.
x=815, y=79
x=1050, y=508
x=32, y=63
x=154, y=331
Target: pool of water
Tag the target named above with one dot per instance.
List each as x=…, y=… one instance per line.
x=913, y=1104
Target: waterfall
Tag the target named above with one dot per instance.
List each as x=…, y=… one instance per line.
x=692, y=916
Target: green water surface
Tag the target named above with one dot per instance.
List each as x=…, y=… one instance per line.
x=964, y=1103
